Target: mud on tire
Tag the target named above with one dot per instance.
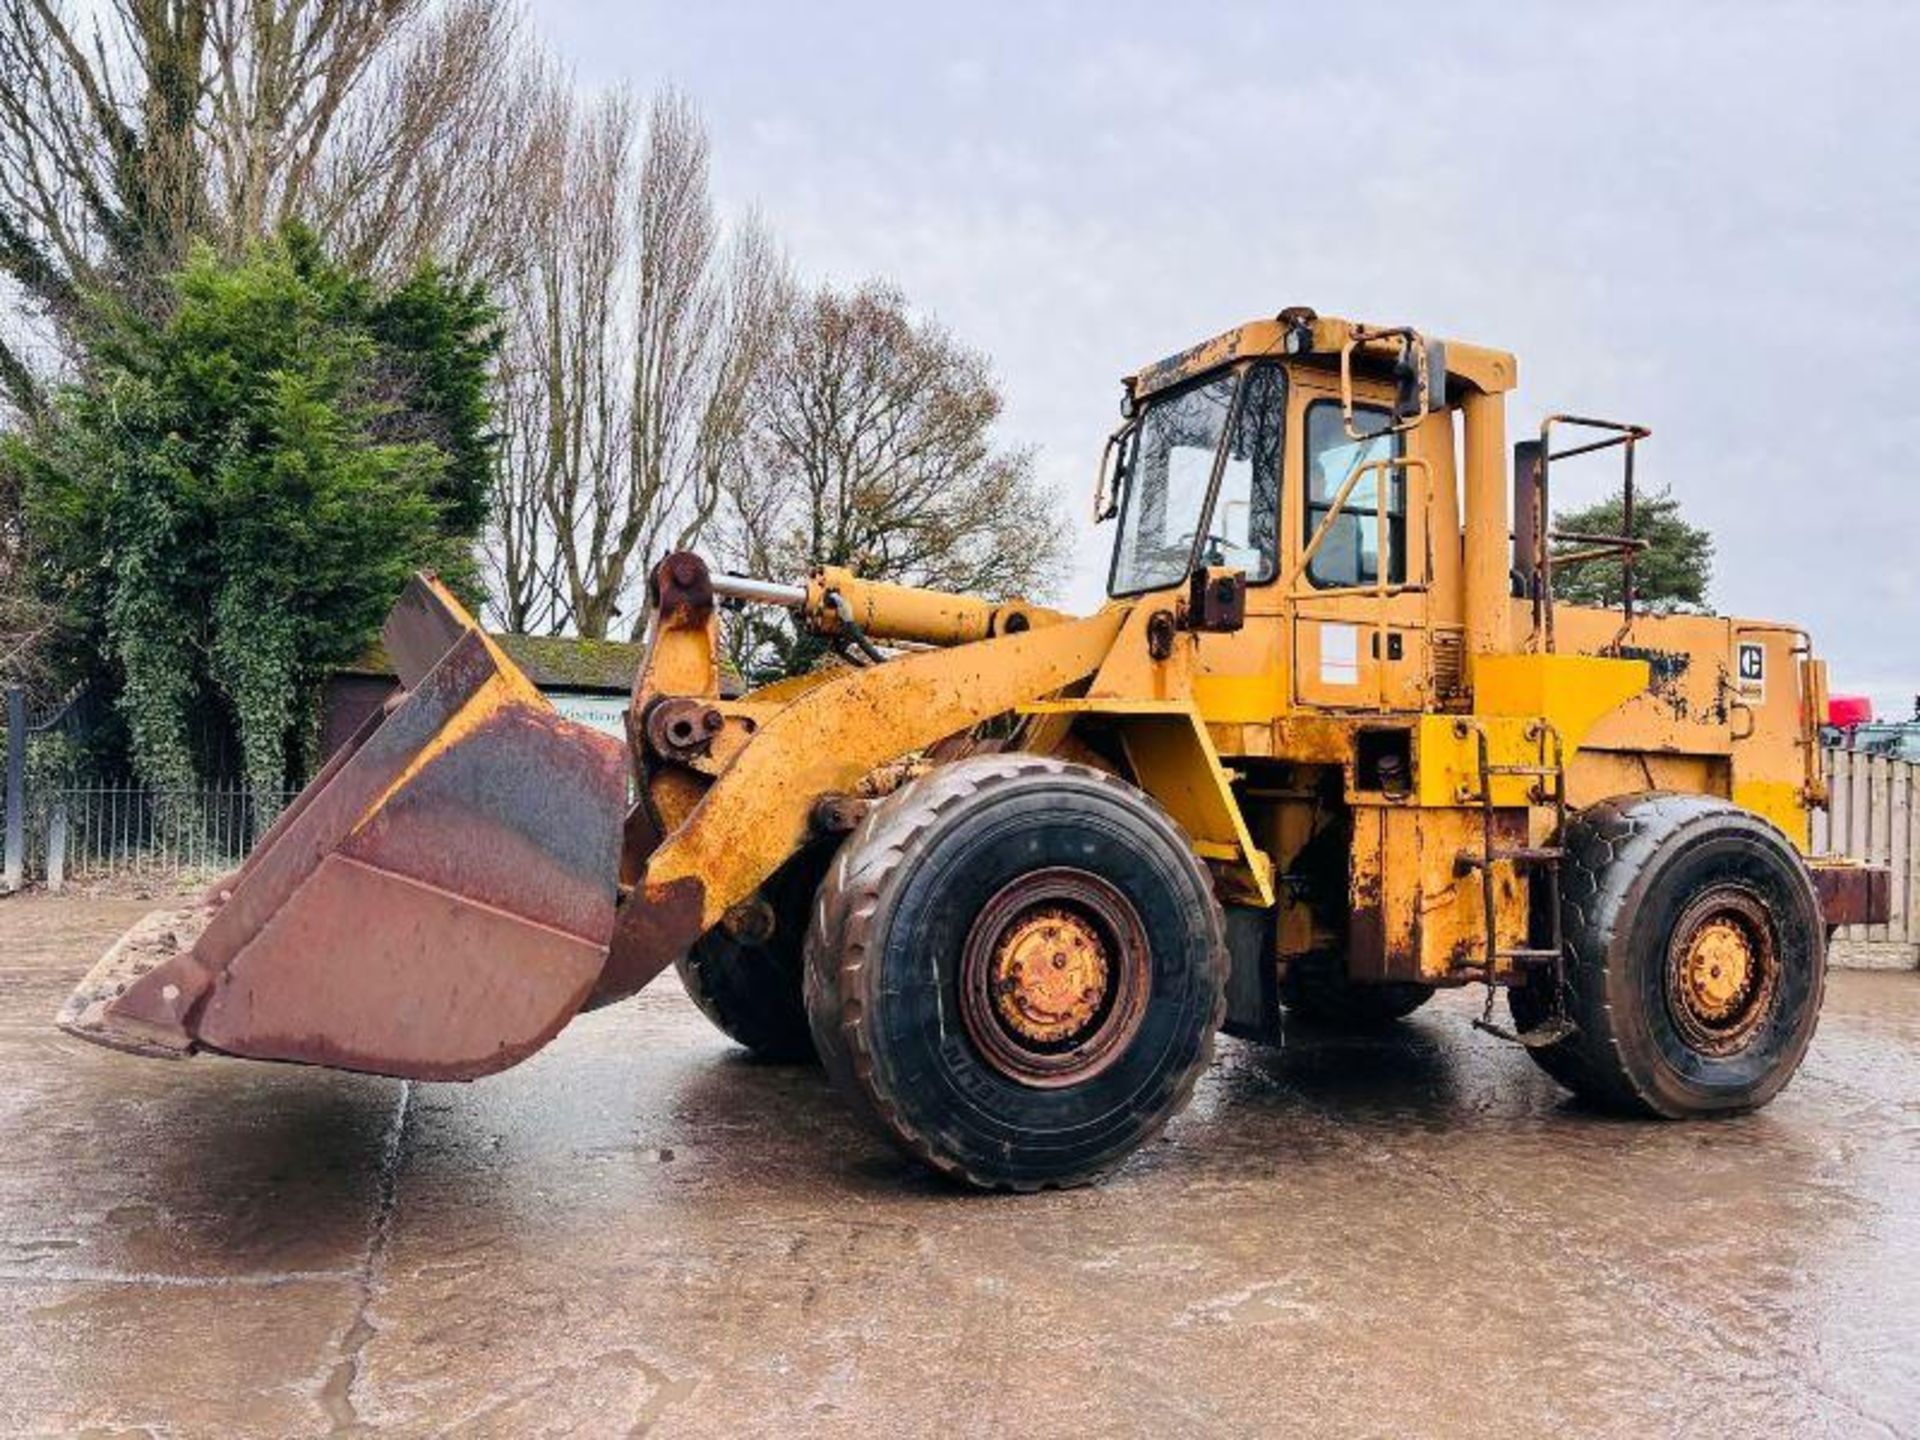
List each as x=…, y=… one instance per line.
x=1656, y=890
x=931, y=883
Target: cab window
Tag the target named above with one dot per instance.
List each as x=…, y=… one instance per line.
x=1350, y=553
x=1219, y=440
x=1244, y=531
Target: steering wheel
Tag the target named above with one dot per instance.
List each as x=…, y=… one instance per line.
x=1214, y=552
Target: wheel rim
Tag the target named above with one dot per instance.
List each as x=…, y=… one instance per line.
x=1054, y=977
x=1723, y=970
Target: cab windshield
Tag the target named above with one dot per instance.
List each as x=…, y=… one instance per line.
x=1200, y=481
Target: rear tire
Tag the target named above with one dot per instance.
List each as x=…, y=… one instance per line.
x=1316, y=992
x=1696, y=959
x=750, y=986
x=1015, y=971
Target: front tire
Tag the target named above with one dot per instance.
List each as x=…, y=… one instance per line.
x=1016, y=969
x=748, y=981
x=1696, y=959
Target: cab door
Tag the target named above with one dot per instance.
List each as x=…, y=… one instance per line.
x=1361, y=569
x=1240, y=675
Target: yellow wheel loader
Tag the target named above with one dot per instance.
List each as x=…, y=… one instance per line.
x=1330, y=746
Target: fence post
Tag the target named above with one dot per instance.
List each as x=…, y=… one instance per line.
x=1899, y=786
x=1910, y=909
x=16, y=861
x=57, y=846
x=1879, y=849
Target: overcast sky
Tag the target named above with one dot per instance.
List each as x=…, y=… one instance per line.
x=1702, y=217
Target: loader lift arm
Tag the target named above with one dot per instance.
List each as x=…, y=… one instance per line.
x=700, y=844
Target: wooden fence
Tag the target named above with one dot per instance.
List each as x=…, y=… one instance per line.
x=1874, y=815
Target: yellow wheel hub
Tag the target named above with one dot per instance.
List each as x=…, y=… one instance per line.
x=1718, y=969
x=1054, y=977
x=1050, y=975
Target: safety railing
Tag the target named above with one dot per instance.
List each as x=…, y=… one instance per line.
x=1540, y=548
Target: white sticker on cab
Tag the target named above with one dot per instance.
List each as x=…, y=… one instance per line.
x=1339, y=654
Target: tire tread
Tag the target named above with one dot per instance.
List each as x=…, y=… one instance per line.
x=838, y=940
x=1609, y=847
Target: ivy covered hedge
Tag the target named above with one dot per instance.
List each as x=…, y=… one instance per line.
x=229, y=499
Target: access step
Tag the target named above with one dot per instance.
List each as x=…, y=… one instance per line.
x=1548, y=1032
x=1527, y=955
x=1514, y=855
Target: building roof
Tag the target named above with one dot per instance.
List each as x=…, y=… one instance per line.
x=559, y=662
x=551, y=662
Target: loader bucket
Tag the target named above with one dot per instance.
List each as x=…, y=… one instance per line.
x=435, y=905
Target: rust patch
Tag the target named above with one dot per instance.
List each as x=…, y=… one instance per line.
x=1367, y=941
x=682, y=727
x=654, y=927
x=421, y=629
x=523, y=814
x=366, y=970
x=1054, y=977
x=435, y=905
x=1366, y=926
x=1189, y=362
x=683, y=588
x=640, y=836
x=1854, y=894
x=1466, y=953
x=122, y=1003
x=837, y=814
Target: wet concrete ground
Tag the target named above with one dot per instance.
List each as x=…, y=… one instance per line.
x=642, y=1231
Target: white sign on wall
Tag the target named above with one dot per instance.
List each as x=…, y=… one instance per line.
x=603, y=712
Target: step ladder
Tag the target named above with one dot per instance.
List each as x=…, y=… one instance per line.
x=1548, y=774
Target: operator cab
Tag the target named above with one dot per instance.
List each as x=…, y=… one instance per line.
x=1194, y=475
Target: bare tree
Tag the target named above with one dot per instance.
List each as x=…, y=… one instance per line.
x=636, y=330
x=128, y=134
x=870, y=446
x=559, y=397
x=426, y=160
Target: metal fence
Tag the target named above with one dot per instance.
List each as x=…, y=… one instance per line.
x=96, y=832
x=60, y=833
x=1874, y=815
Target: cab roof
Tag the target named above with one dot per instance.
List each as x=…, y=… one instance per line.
x=1300, y=334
